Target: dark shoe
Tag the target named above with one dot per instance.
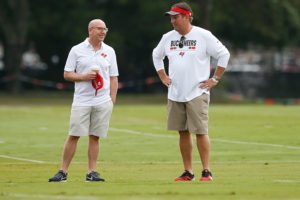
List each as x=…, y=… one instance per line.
x=206, y=175
x=94, y=176
x=185, y=176
x=60, y=176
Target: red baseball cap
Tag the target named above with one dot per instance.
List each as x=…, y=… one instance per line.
x=175, y=10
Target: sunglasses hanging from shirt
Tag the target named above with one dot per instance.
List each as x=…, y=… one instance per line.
x=181, y=42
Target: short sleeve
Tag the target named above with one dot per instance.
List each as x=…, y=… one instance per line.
x=113, y=64
x=71, y=61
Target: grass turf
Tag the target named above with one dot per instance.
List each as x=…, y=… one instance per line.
x=255, y=153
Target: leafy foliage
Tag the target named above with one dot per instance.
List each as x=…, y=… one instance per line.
x=135, y=27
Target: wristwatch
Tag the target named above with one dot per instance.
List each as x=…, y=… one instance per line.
x=215, y=79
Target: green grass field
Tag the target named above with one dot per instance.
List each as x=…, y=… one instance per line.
x=255, y=153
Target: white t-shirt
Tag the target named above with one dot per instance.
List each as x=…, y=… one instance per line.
x=189, y=65
x=80, y=60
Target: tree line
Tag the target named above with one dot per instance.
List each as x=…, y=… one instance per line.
x=135, y=28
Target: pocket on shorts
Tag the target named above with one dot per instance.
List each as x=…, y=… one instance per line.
x=205, y=97
x=203, y=103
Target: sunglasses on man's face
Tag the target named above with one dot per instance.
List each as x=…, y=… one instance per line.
x=182, y=39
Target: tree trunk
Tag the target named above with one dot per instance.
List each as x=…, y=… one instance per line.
x=13, y=62
x=14, y=16
x=205, y=7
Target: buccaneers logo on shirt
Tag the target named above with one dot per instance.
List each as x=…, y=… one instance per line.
x=181, y=53
x=177, y=44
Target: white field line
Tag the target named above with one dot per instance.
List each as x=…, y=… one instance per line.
x=256, y=143
x=162, y=136
x=40, y=196
x=215, y=139
x=141, y=133
x=21, y=159
x=287, y=181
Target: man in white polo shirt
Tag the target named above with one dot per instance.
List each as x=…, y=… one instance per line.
x=189, y=49
x=92, y=66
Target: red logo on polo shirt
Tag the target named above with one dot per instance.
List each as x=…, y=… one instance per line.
x=181, y=53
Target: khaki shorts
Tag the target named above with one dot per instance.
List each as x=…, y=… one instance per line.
x=191, y=115
x=90, y=120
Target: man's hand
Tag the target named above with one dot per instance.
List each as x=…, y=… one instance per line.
x=113, y=88
x=165, y=79
x=208, y=84
x=89, y=76
x=73, y=76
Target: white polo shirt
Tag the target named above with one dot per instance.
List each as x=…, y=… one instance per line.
x=80, y=59
x=189, y=65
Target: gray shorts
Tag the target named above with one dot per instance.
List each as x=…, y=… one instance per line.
x=90, y=120
x=191, y=115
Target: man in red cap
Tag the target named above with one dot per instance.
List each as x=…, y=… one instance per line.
x=189, y=50
x=92, y=66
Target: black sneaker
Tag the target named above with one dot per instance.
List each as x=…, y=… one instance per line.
x=93, y=176
x=60, y=176
x=185, y=176
x=206, y=175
